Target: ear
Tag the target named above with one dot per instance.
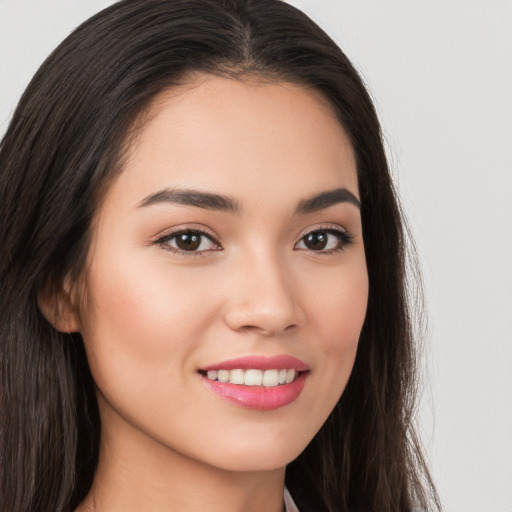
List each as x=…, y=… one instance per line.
x=59, y=305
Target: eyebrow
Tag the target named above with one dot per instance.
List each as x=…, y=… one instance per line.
x=196, y=198
x=326, y=199
x=210, y=201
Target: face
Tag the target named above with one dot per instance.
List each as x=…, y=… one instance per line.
x=229, y=249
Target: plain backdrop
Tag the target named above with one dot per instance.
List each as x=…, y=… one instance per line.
x=441, y=76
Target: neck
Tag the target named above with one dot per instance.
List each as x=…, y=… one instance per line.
x=138, y=473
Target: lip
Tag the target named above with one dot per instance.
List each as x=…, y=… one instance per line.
x=261, y=363
x=259, y=398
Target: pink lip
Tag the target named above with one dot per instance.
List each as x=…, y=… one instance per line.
x=259, y=397
x=261, y=363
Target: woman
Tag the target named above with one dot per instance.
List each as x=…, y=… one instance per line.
x=203, y=289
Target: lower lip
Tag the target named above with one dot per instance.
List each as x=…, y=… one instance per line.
x=258, y=397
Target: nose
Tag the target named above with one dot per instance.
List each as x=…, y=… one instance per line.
x=263, y=298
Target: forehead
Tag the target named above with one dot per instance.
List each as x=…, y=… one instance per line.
x=232, y=136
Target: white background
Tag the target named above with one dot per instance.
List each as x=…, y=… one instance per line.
x=441, y=75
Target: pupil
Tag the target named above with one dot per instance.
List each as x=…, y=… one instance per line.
x=188, y=241
x=316, y=241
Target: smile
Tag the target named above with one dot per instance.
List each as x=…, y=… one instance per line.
x=256, y=382
x=254, y=377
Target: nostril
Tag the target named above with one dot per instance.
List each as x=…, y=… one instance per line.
x=264, y=313
x=267, y=330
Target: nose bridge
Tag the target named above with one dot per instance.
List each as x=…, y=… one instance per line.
x=264, y=297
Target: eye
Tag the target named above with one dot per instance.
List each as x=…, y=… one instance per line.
x=324, y=240
x=188, y=241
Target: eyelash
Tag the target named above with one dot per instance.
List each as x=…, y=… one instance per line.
x=345, y=239
x=164, y=240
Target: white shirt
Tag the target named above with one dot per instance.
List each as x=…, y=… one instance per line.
x=289, y=504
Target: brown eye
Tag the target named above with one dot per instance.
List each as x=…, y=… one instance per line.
x=316, y=241
x=325, y=240
x=190, y=241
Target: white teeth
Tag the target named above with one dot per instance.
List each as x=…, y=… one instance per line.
x=254, y=377
x=270, y=378
x=290, y=375
x=237, y=377
x=223, y=375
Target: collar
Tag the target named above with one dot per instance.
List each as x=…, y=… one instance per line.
x=289, y=504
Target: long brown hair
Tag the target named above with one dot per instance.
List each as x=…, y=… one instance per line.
x=62, y=148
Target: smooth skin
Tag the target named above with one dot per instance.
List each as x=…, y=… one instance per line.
x=154, y=310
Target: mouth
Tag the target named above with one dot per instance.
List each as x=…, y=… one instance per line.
x=254, y=382
x=253, y=377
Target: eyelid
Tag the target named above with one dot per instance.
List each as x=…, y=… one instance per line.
x=164, y=237
x=346, y=238
x=167, y=235
x=327, y=226
x=201, y=228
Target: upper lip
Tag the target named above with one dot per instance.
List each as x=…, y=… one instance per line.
x=260, y=362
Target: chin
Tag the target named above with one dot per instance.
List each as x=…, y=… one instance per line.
x=260, y=454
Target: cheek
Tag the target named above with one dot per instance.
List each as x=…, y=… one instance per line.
x=337, y=308
x=140, y=331
x=137, y=323
x=342, y=310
